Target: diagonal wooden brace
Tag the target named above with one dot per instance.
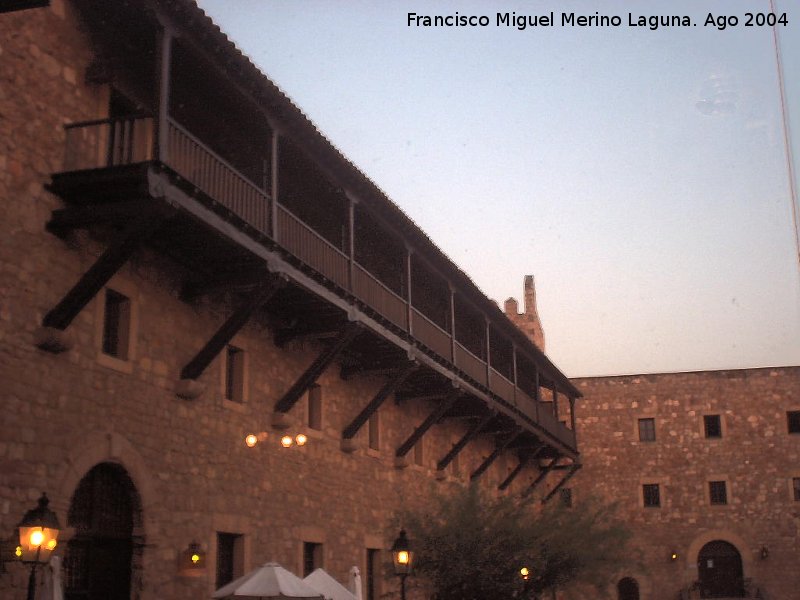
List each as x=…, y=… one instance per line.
x=542, y=474
x=352, y=429
x=347, y=334
x=573, y=469
x=432, y=418
x=523, y=461
x=497, y=452
x=98, y=275
x=258, y=298
x=465, y=439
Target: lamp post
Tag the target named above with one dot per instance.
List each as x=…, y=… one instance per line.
x=38, y=535
x=402, y=557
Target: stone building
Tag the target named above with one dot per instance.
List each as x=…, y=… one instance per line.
x=188, y=265
x=705, y=467
x=528, y=321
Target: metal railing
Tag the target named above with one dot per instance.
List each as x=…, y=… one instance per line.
x=501, y=386
x=376, y=295
x=108, y=142
x=431, y=335
x=470, y=364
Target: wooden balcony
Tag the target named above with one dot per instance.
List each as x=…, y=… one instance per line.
x=103, y=145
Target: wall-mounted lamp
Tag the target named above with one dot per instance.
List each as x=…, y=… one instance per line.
x=764, y=553
x=38, y=535
x=673, y=556
x=403, y=559
x=192, y=561
x=525, y=573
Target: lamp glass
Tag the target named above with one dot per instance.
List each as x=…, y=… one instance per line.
x=402, y=555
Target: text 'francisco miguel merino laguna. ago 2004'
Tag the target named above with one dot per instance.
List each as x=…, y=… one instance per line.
x=571, y=19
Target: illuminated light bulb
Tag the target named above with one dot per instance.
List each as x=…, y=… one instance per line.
x=51, y=544
x=195, y=558
x=301, y=439
x=286, y=441
x=18, y=552
x=402, y=557
x=525, y=572
x=251, y=440
x=37, y=537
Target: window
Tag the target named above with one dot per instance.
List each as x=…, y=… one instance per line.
x=565, y=494
x=315, y=407
x=796, y=488
x=373, y=568
x=230, y=557
x=312, y=557
x=647, y=430
x=793, y=421
x=374, y=432
x=651, y=495
x=717, y=492
x=116, y=325
x=712, y=425
x=419, y=453
x=234, y=374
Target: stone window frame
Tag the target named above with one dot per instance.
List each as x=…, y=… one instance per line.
x=374, y=425
x=791, y=411
x=637, y=432
x=375, y=543
x=662, y=483
x=794, y=493
x=124, y=287
x=310, y=534
x=222, y=522
x=723, y=428
x=728, y=491
x=241, y=344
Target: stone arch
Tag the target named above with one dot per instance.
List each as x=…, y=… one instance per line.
x=99, y=447
x=725, y=535
x=642, y=580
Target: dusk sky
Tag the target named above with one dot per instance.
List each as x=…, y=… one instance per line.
x=640, y=175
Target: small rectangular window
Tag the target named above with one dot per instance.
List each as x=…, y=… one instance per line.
x=230, y=557
x=717, y=492
x=312, y=557
x=647, y=430
x=116, y=324
x=713, y=426
x=566, y=497
x=651, y=495
x=796, y=488
x=374, y=432
x=315, y=407
x=793, y=421
x=419, y=453
x=234, y=374
x=373, y=568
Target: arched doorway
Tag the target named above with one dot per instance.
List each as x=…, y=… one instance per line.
x=628, y=589
x=101, y=561
x=719, y=566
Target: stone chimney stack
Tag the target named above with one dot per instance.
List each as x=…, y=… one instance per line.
x=528, y=321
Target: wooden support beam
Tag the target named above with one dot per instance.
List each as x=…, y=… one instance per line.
x=98, y=275
x=12, y=5
x=431, y=419
x=416, y=397
x=63, y=220
x=573, y=469
x=402, y=374
x=499, y=448
x=523, y=461
x=465, y=439
x=285, y=335
x=325, y=358
x=240, y=281
x=385, y=367
x=542, y=474
x=258, y=298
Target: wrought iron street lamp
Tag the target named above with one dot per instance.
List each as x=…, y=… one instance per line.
x=403, y=558
x=38, y=535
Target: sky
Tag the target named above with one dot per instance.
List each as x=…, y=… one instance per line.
x=639, y=174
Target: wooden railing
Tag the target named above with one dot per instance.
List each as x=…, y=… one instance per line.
x=431, y=335
x=307, y=245
x=470, y=364
x=211, y=174
x=376, y=295
x=501, y=386
x=122, y=141
x=108, y=143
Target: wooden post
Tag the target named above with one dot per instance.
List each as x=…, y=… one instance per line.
x=164, y=66
x=274, y=182
x=488, y=356
x=452, y=323
x=537, y=392
x=351, y=226
x=514, y=368
x=409, y=321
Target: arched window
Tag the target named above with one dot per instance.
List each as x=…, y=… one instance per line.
x=102, y=558
x=628, y=589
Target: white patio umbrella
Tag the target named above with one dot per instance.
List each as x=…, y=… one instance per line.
x=270, y=581
x=323, y=582
x=355, y=582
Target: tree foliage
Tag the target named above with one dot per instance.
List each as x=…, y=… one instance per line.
x=470, y=546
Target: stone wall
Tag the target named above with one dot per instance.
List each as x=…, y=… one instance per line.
x=756, y=456
x=65, y=413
